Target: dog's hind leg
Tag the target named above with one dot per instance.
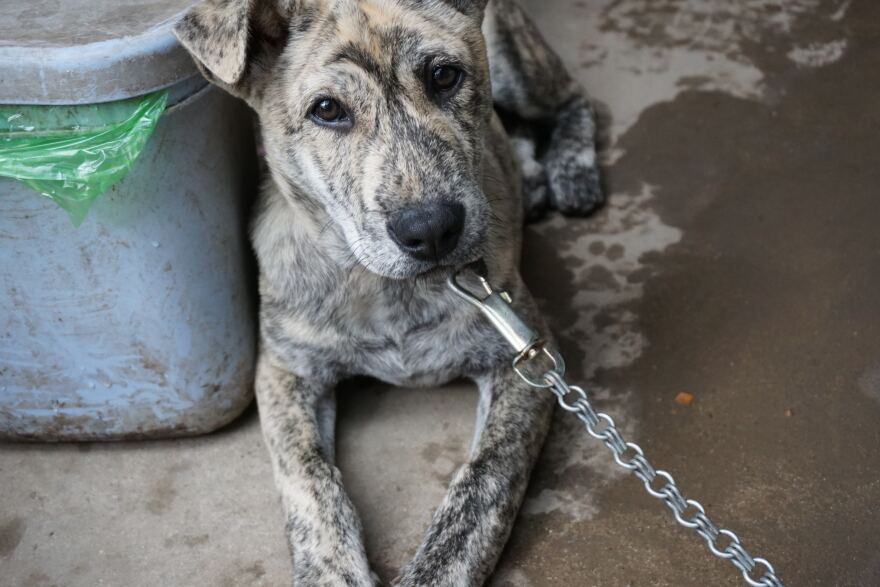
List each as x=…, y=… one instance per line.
x=471, y=526
x=530, y=86
x=323, y=530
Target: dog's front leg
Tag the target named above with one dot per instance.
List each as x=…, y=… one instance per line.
x=471, y=526
x=323, y=530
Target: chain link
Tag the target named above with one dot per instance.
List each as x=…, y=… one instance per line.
x=687, y=512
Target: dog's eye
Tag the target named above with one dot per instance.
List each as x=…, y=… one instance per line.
x=444, y=78
x=328, y=111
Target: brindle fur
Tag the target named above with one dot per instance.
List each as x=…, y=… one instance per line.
x=338, y=298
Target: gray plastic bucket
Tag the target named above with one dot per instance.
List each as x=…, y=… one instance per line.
x=139, y=323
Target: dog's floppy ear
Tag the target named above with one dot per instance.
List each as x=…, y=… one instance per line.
x=225, y=37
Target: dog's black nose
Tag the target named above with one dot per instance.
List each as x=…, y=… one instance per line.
x=428, y=232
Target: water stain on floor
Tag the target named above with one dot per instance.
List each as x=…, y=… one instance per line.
x=11, y=533
x=765, y=309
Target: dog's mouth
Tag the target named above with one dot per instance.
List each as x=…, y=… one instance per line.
x=415, y=248
x=437, y=273
x=440, y=269
x=443, y=271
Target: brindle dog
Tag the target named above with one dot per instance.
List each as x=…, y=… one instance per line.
x=389, y=166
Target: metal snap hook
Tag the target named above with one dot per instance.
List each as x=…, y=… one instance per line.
x=496, y=306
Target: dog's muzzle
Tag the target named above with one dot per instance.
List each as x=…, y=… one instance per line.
x=427, y=232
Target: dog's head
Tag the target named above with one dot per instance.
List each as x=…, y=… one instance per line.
x=373, y=113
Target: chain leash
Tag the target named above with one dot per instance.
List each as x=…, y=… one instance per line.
x=531, y=350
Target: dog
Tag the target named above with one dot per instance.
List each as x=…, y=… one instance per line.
x=403, y=139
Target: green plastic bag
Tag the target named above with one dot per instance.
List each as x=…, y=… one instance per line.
x=73, y=154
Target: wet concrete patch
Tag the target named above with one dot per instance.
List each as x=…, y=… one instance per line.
x=11, y=533
x=444, y=457
x=766, y=310
x=38, y=579
x=187, y=540
x=163, y=491
x=246, y=575
x=161, y=496
x=869, y=382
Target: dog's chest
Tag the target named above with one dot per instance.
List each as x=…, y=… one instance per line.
x=414, y=359
x=404, y=337
x=404, y=340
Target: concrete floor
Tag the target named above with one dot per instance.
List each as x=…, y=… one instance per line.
x=738, y=260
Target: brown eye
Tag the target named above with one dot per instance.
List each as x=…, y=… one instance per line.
x=328, y=111
x=444, y=78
